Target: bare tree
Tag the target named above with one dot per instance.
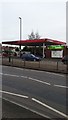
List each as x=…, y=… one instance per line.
x=33, y=36
x=37, y=36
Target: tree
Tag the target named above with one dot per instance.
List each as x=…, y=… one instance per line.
x=33, y=36
x=35, y=50
x=37, y=36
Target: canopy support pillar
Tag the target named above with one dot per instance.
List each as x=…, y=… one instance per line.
x=43, y=50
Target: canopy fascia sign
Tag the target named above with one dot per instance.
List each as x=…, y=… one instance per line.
x=54, y=47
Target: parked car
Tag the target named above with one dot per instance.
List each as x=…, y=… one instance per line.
x=30, y=57
x=65, y=59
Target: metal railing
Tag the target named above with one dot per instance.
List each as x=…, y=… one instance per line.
x=44, y=64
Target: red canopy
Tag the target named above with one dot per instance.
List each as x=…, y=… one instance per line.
x=35, y=42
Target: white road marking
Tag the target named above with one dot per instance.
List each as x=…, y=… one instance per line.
x=27, y=108
x=18, y=95
x=39, y=81
x=11, y=75
x=61, y=86
x=29, y=78
x=24, y=76
x=47, y=106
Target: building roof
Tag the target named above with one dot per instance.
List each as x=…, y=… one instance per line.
x=35, y=42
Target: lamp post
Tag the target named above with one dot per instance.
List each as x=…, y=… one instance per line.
x=20, y=30
x=20, y=33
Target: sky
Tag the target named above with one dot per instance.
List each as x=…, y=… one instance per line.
x=47, y=17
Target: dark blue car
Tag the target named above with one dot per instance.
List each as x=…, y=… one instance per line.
x=30, y=57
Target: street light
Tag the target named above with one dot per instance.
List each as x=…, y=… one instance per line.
x=20, y=30
x=20, y=33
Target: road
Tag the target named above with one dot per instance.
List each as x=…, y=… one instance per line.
x=41, y=92
x=16, y=111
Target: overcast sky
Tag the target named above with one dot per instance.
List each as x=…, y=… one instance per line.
x=47, y=17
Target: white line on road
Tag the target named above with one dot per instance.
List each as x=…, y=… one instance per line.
x=39, y=81
x=24, y=76
x=61, y=86
x=29, y=78
x=14, y=75
x=9, y=75
x=18, y=95
x=27, y=108
x=43, y=104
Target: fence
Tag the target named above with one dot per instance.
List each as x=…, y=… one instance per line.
x=46, y=64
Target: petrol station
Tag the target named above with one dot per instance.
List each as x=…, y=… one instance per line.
x=52, y=48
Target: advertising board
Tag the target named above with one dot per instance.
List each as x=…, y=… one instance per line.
x=57, y=54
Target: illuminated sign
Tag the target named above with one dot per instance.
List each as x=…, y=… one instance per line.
x=55, y=47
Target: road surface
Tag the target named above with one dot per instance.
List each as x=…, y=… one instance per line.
x=41, y=92
x=16, y=111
